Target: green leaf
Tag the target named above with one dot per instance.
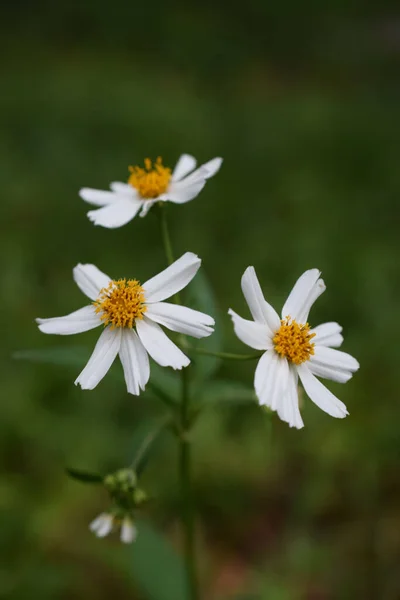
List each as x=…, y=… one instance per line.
x=151, y=563
x=201, y=297
x=84, y=476
x=226, y=393
x=143, y=440
x=71, y=356
x=163, y=382
x=157, y=569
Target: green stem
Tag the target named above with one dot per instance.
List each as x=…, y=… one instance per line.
x=225, y=355
x=147, y=442
x=185, y=458
x=165, y=234
x=186, y=489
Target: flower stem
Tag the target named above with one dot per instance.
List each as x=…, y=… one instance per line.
x=185, y=458
x=186, y=489
x=224, y=355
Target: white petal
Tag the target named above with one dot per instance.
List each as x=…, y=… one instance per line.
x=332, y=373
x=103, y=356
x=320, y=395
x=181, y=319
x=259, y=307
x=79, y=321
x=146, y=206
x=328, y=334
x=288, y=409
x=271, y=379
x=335, y=358
x=135, y=362
x=124, y=189
x=117, y=214
x=128, y=531
x=102, y=525
x=90, y=280
x=185, y=190
x=159, y=346
x=172, y=279
x=212, y=166
x=255, y=335
x=97, y=197
x=185, y=164
x=304, y=293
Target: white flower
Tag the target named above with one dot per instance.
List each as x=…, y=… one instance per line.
x=293, y=349
x=106, y=522
x=146, y=186
x=128, y=531
x=132, y=315
x=102, y=525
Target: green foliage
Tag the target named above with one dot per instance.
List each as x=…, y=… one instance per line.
x=303, y=107
x=84, y=476
x=157, y=569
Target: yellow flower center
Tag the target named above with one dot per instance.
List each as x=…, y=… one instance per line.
x=121, y=303
x=292, y=341
x=152, y=180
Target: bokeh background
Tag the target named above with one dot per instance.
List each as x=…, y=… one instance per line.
x=302, y=101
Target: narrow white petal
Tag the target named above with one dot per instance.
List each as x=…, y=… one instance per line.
x=90, y=280
x=212, y=166
x=117, y=214
x=271, y=379
x=335, y=358
x=315, y=293
x=124, y=189
x=320, y=395
x=255, y=335
x=97, y=197
x=103, y=356
x=332, y=373
x=259, y=307
x=328, y=334
x=146, y=206
x=181, y=319
x=304, y=292
x=180, y=192
x=185, y=164
x=288, y=409
x=173, y=279
x=79, y=321
x=102, y=525
x=128, y=531
x=159, y=346
x=135, y=362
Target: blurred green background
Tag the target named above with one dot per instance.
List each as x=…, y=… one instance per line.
x=302, y=101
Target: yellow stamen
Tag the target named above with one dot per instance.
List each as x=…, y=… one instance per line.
x=121, y=303
x=152, y=180
x=292, y=341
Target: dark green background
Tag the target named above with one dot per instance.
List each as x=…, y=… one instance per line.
x=302, y=101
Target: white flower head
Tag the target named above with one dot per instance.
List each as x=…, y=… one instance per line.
x=292, y=349
x=146, y=186
x=132, y=315
x=107, y=522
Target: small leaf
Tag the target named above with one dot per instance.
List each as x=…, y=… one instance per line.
x=163, y=382
x=71, y=356
x=143, y=440
x=84, y=476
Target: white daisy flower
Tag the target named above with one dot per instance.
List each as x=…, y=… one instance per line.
x=106, y=523
x=146, y=186
x=132, y=315
x=293, y=349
